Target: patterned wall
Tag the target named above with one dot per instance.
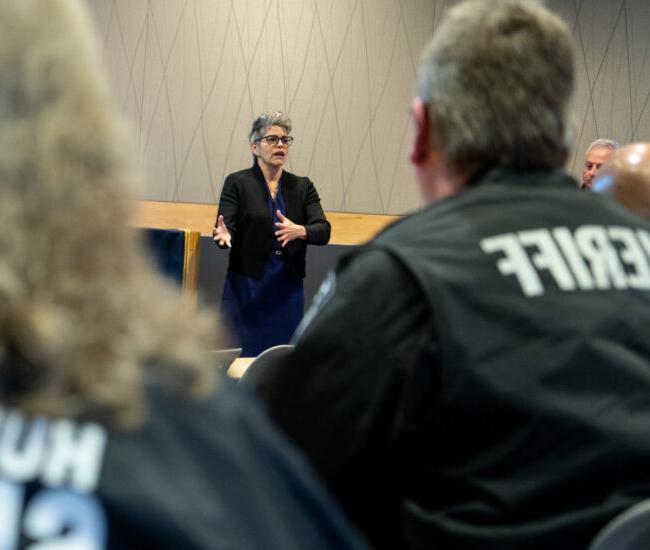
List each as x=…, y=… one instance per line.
x=613, y=72
x=192, y=74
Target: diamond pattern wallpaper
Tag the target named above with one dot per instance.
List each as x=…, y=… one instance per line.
x=191, y=75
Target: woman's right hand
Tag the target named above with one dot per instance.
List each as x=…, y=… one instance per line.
x=220, y=234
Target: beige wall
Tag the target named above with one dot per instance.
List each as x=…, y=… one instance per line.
x=613, y=70
x=192, y=74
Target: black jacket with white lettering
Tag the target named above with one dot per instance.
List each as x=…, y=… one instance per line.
x=199, y=474
x=478, y=376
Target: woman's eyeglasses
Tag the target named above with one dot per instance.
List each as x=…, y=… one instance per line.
x=274, y=140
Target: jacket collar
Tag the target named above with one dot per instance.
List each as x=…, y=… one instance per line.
x=260, y=175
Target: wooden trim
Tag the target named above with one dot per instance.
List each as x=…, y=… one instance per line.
x=191, y=265
x=348, y=228
x=175, y=215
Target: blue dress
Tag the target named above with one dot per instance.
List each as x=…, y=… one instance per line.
x=264, y=312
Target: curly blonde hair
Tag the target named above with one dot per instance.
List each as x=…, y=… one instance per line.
x=84, y=319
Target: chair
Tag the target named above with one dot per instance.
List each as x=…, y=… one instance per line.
x=175, y=252
x=255, y=370
x=630, y=530
x=223, y=358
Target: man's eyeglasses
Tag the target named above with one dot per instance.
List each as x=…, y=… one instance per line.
x=273, y=140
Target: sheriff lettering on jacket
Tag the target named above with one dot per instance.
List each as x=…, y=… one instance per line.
x=589, y=257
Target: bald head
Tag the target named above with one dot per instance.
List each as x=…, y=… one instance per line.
x=627, y=178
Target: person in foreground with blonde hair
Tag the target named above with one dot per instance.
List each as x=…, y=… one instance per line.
x=114, y=430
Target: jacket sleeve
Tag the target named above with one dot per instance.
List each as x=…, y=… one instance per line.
x=229, y=205
x=346, y=393
x=317, y=226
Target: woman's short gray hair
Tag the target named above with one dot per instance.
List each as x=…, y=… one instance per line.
x=263, y=122
x=498, y=77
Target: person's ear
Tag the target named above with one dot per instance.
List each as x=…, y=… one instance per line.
x=421, y=144
x=254, y=149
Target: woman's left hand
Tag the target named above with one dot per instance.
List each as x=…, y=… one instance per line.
x=287, y=230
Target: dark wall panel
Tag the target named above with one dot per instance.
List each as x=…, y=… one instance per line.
x=213, y=263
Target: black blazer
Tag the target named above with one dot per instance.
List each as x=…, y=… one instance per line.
x=244, y=205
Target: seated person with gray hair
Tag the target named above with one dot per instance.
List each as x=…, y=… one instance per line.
x=478, y=375
x=626, y=177
x=114, y=430
x=598, y=153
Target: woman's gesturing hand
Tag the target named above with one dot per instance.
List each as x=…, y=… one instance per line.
x=287, y=230
x=220, y=234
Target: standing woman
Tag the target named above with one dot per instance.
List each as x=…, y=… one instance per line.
x=267, y=216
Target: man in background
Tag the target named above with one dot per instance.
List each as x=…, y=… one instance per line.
x=598, y=153
x=478, y=375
